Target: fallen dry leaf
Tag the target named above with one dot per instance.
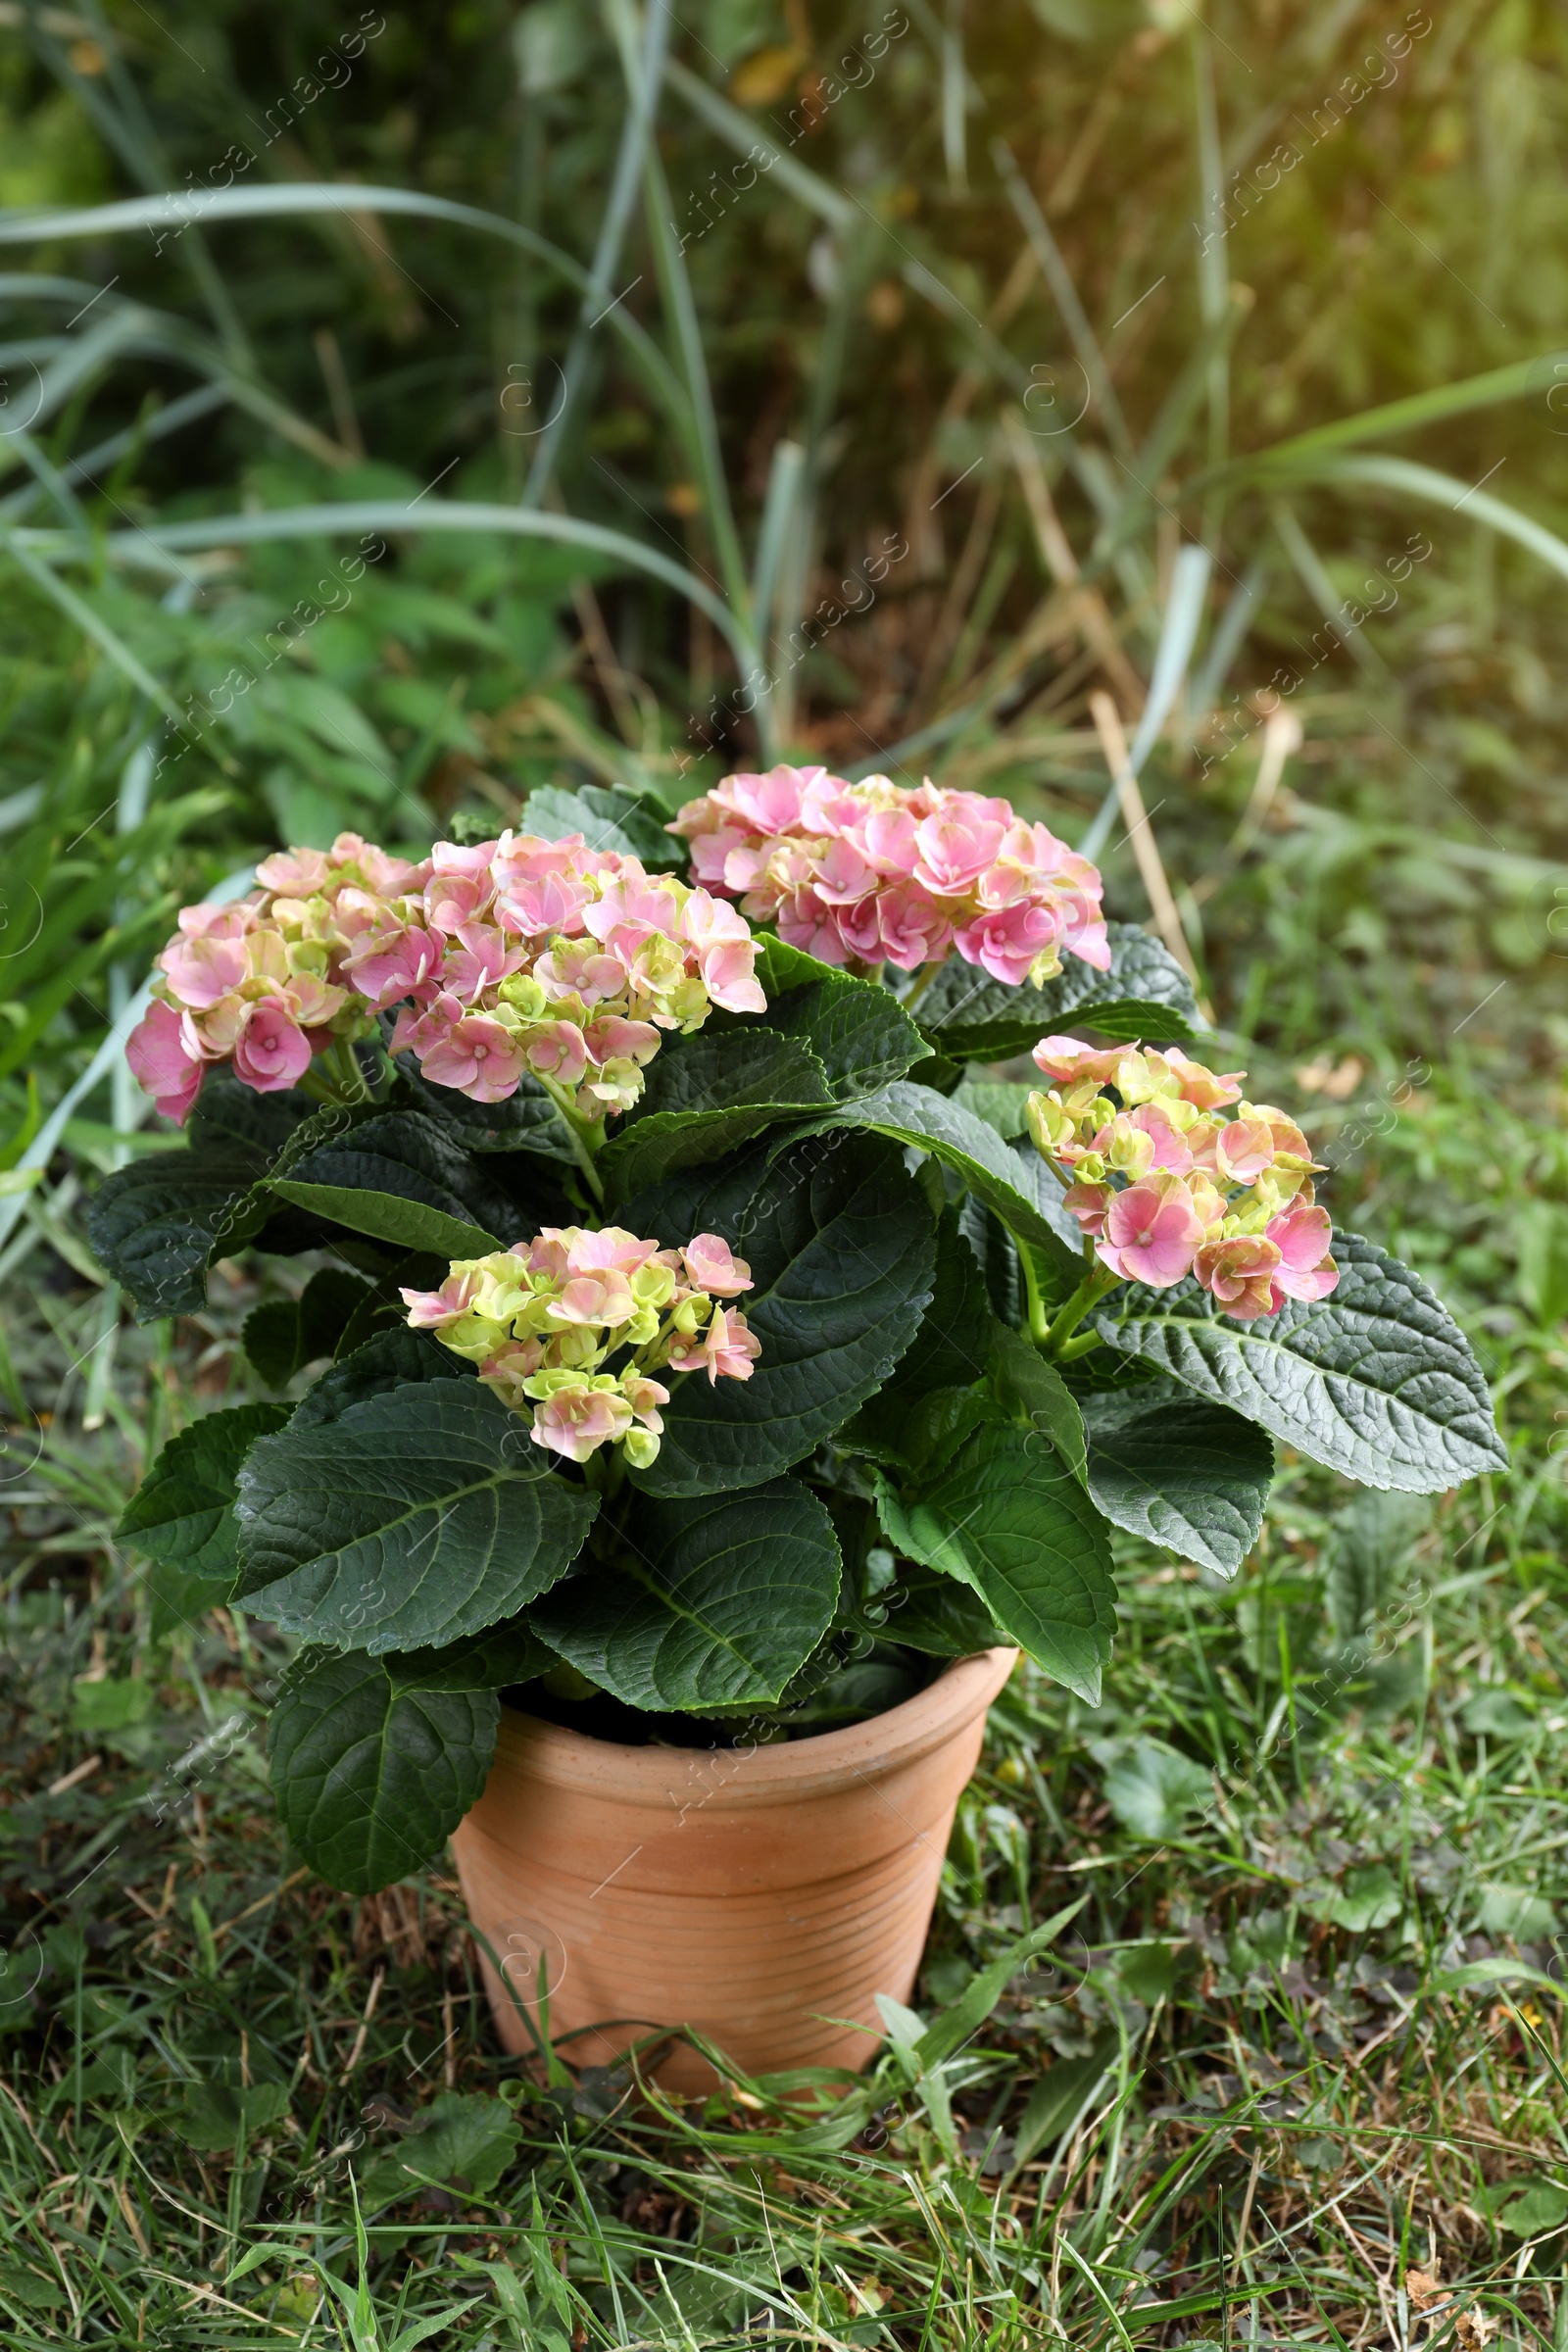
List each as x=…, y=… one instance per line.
x=1423, y=2287
x=1475, y=2330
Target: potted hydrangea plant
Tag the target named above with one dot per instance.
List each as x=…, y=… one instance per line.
x=724, y=1376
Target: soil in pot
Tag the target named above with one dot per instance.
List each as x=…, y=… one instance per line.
x=763, y=1893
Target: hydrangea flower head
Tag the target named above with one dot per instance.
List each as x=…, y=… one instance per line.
x=875, y=873
x=513, y=959
x=1163, y=1187
x=571, y=1328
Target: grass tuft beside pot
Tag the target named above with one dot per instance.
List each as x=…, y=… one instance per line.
x=714, y=1347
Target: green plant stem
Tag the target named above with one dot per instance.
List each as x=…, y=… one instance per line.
x=583, y=1137
x=1038, y=1313
x=335, y=1076
x=1058, y=1340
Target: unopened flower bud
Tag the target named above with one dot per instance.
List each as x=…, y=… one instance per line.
x=1048, y=1125
x=639, y=1446
x=1132, y=1149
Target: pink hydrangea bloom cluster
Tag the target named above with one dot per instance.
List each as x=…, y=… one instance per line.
x=542, y=1323
x=517, y=956
x=1165, y=1188
x=874, y=873
x=261, y=984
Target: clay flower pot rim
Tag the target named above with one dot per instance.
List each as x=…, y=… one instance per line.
x=780, y=1773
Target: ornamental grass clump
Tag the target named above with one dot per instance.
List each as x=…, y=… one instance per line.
x=835, y=1358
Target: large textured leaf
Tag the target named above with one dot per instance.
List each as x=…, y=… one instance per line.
x=371, y=1779
x=157, y=1224
x=493, y=1660
x=933, y=1398
x=840, y=1244
x=526, y=1121
x=413, y=1518
x=1032, y=1392
x=951, y=1347
x=716, y=1599
x=283, y=1336
x=705, y=1096
x=1378, y=1381
x=1008, y=1182
x=182, y=1513
x=935, y=1613
x=858, y=1029
x=389, y=1361
x=1010, y=1520
x=607, y=819
x=1190, y=1476
x=400, y=1178
x=1146, y=994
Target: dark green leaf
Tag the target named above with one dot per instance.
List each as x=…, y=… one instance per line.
x=1377, y=1381
x=1006, y=1183
x=182, y=1513
x=1146, y=994
x=1010, y=1521
x=607, y=819
x=228, y=1116
x=213, y=2115
x=464, y=2139
x=1032, y=1392
x=526, y=1121
x=389, y=1361
x=857, y=1028
x=842, y=1253
x=400, y=1178
x=715, y=1600
x=916, y=1435
x=412, y=1519
x=934, y=1613
x=1194, y=1477
x=489, y=1661
x=996, y=1253
x=284, y=1335
x=948, y=1350
x=372, y=1780
x=705, y=1096
x=154, y=1224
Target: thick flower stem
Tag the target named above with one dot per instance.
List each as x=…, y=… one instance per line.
x=1039, y=1313
x=335, y=1076
x=582, y=1138
x=1058, y=1340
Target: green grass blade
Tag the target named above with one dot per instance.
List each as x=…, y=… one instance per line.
x=1058, y=277
x=1439, y=489
x=429, y=514
x=624, y=186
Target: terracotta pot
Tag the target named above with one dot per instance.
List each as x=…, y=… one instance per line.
x=763, y=1895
